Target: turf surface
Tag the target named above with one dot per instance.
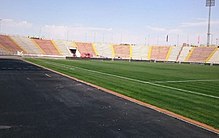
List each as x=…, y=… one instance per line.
x=189, y=90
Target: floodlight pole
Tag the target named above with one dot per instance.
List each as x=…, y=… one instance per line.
x=209, y=3
x=209, y=27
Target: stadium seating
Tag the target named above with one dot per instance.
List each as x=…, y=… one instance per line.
x=63, y=46
x=174, y=53
x=47, y=46
x=215, y=57
x=159, y=53
x=200, y=54
x=103, y=50
x=184, y=53
x=10, y=45
x=86, y=48
x=122, y=51
x=4, y=51
x=26, y=44
x=140, y=52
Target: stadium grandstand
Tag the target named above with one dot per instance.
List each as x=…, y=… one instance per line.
x=24, y=46
x=139, y=52
x=159, y=53
x=104, y=50
x=122, y=51
x=86, y=50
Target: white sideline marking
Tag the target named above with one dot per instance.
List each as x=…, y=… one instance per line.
x=186, y=81
x=144, y=82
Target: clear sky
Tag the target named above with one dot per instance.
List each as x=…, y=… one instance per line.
x=118, y=21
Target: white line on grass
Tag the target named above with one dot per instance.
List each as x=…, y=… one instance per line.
x=131, y=79
x=186, y=81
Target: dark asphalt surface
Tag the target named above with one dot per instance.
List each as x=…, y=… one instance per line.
x=35, y=102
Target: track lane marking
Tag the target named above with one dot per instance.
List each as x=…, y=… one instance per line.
x=48, y=75
x=136, y=80
x=5, y=127
x=28, y=78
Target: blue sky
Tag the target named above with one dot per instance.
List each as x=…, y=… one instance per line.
x=118, y=21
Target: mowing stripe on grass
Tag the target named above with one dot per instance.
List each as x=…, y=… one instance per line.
x=131, y=79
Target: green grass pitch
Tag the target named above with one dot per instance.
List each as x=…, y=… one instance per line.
x=188, y=90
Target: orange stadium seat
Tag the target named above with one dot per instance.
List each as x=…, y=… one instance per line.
x=47, y=46
x=85, y=49
x=122, y=51
x=201, y=54
x=159, y=53
x=10, y=45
